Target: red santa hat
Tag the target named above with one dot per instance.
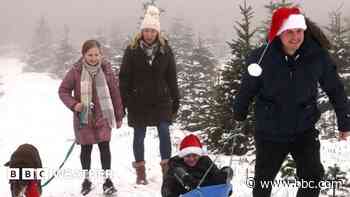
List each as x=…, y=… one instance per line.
x=282, y=19
x=190, y=145
x=286, y=18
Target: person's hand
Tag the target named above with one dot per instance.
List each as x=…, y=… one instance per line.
x=228, y=171
x=343, y=135
x=119, y=124
x=78, y=107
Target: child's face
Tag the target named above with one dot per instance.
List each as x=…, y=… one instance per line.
x=191, y=159
x=93, y=56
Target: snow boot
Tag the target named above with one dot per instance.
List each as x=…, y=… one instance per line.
x=108, y=187
x=86, y=187
x=140, y=172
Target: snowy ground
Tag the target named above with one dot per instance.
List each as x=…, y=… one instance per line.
x=31, y=112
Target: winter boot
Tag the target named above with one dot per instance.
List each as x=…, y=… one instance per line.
x=164, y=166
x=140, y=172
x=86, y=187
x=108, y=187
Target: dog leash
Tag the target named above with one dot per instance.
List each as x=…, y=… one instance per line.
x=60, y=167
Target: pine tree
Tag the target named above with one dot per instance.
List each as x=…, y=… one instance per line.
x=181, y=40
x=103, y=39
x=339, y=181
x=65, y=55
x=40, y=55
x=340, y=52
x=222, y=126
x=197, y=89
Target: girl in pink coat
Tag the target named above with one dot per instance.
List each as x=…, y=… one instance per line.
x=96, y=105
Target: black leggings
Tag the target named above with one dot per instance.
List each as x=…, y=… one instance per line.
x=105, y=155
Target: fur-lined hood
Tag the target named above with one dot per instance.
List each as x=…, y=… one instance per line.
x=162, y=39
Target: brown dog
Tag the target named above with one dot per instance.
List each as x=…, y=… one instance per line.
x=25, y=156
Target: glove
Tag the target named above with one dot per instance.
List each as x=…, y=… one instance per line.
x=228, y=171
x=184, y=178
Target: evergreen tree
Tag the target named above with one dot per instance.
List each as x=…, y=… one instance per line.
x=340, y=52
x=65, y=55
x=2, y=92
x=340, y=184
x=222, y=126
x=182, y=43
x=41, y=53
x=197, y=89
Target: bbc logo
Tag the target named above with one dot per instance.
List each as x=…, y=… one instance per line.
x=25, y=174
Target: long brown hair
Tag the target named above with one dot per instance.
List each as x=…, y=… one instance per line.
x=90, y=44
x=316, y=33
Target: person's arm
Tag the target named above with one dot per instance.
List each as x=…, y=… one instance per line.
x=331, y=83
x=125, y=77
x=115, y=94
x=248, y=89
x=66, y=88
x=171, y=186
x=171, y=79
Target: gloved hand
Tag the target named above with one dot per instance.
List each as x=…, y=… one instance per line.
x=184, y=178
x=229, y=172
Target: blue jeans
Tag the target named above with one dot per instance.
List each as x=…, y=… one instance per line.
x=164, y=141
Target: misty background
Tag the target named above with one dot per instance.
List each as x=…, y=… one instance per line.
x=18, y=18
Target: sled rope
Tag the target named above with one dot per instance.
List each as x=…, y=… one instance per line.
x=60, y=167
x=217, y=156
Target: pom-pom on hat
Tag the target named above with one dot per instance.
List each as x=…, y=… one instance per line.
x=190, y=145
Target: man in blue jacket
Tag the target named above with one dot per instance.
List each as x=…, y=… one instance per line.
x=285, y=83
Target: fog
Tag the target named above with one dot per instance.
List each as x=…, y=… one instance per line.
x=85, y=17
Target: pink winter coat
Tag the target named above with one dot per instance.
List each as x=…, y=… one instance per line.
x=98, y=130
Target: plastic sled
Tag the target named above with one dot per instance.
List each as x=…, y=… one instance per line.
x=222, y=190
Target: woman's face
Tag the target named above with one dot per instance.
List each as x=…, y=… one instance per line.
x=149, y=35
x=191, y=159
x=93, y=56
x=292, y=39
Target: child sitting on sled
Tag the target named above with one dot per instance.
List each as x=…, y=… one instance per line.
x=25, y=156
x=188, y=168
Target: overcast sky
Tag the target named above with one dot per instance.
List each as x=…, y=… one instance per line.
x=18, y=17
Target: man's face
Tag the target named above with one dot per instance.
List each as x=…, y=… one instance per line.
x=191, y=159
x=292, y=39
x=149, y=35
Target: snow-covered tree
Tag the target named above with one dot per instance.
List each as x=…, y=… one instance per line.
x=40, y=54
x=222, y=125
x=199, y=80
x=340, y=183
x=340, y=52
x=65, y=55
x=118, y=45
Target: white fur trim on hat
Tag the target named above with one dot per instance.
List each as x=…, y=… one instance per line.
x=191, y=150
x=151, y=19
x=294, y=21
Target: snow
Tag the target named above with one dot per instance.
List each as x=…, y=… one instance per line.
x=31, y=112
